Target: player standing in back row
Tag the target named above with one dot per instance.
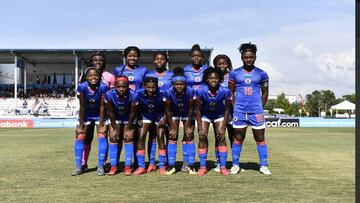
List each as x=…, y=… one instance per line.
x=251, y=87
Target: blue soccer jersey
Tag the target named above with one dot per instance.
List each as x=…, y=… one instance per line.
x=136, y=76
x=248, y=89
x=225, y=82
x=180, y=104
x=194, y=77
x=151, y=109
x=164, y=78
x=121, y=106
x=212, y=105
x=92, y=99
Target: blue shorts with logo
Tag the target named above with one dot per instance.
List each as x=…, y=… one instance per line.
x=254, y=120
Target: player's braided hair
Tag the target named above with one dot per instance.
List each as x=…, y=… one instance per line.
x=150, y=79
x=247, y=47
x=226, y=58
x=162, y=53
x=178, y=71
x=209, y=70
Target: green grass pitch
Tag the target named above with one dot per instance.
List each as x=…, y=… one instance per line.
x=308, y=165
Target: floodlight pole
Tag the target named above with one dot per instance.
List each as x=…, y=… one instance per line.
x=25, y=78
x=76, y=69
x=15, y=81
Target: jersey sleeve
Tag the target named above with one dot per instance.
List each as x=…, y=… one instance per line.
x=228, y=95
x=134, y=99
x=80, y=89
x=107, y=97
x=117, y=70
x=197, y=94
x=104, y=89
x=232, y=76
x=264, y=79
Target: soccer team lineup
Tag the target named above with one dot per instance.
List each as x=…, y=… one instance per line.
x=132, y=105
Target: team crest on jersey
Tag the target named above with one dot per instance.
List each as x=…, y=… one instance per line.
x=160, y=84
x=92, y=101
x=180, y=105
x=151, y=106
x=212, y=104
x=121, y=108
x=235, y=118
x=131, y=78
x=197, y=79
x=247, y=80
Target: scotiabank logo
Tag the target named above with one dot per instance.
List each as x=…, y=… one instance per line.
x=282, y=123
x=16, y=124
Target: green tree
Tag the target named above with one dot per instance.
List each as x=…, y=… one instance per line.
x=270, y=105
x=350, y=98
x=319, y=101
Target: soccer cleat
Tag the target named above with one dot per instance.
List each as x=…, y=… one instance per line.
x=151, y=168
x=202, y=171
x=162, y=171
x=84, y=167
x=112, y=171
x=127, y=171
x=217, y=169
x=171, y=171
x=192, y=171
x=224, y=171
x=77, y=171
x=184, y=167
x=265, y=170
x=234, y=170
x=139, y=171
x=100, y=171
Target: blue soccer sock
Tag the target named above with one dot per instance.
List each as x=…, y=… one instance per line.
x=263, y=152
x=191, y=151
x=102, y=148
x=203, y=157
x=129, y=153
x=152, y=151
x=162, y=158
x=113, y=153
x=140, y=154
x=171, y=149
x=78, y=150
x=222, y=155
x=236, y=151
x=185, y=152
x=217, y=155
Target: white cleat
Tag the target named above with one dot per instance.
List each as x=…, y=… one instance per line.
x=234, y=170
x=217, y=169
x=265, y=170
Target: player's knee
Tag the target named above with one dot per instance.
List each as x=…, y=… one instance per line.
x=80, y=137
x=203, y=139
x=259, y=138
x=99, y=135
x=113, y=139
x=128, y=139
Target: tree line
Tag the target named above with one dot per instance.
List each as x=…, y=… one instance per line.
x=312, y=105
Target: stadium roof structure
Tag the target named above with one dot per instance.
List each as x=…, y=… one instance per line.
x=113, y=56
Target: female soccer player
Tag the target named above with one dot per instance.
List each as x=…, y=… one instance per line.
x=98, y=61
x=181, y=105
x=164, y=77
x=251, y=87
x=223, y=63
x=92, y=108
x=135, y=74
x=151, y=105
x=131, y=69
x=193, y=74
x=212, y=105
x=122, y=105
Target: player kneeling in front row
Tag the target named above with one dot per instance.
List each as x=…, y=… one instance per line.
x=212, y=105
x=122, y=105
x=92, y=109
x=151, y=107
x=180, y=104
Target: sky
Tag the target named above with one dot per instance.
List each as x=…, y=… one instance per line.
x=303, y=45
